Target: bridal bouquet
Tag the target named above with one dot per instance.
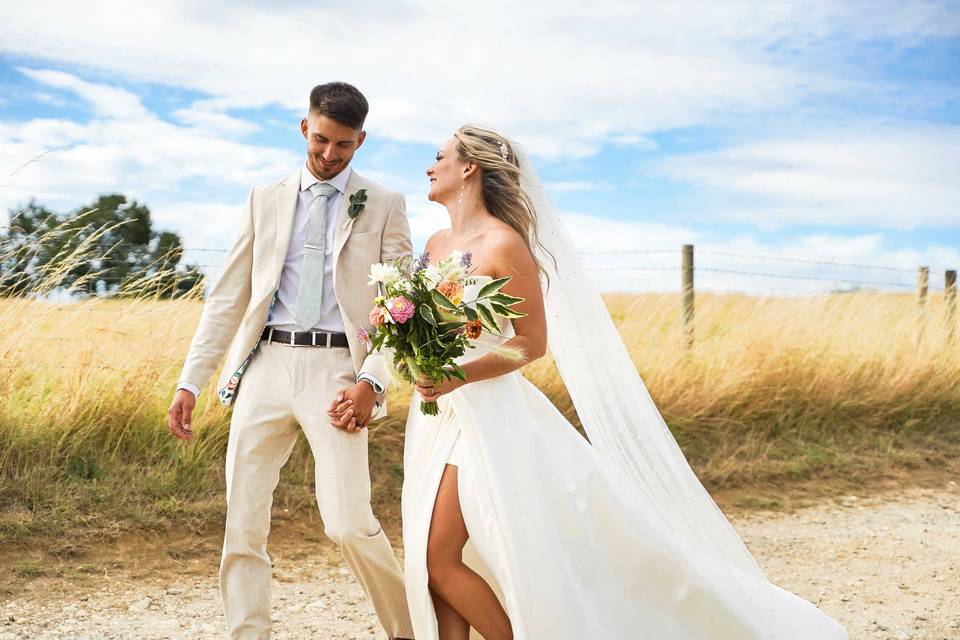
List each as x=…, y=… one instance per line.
x=429, y=315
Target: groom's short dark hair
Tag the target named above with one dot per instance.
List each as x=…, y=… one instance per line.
x=340, y=101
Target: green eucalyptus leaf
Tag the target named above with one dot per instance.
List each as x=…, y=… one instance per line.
x=447, y=327
x=492, y=287
x=506, y=312
x=427, y=313
x=486, y=317
x=443, y=300
x=504, y=299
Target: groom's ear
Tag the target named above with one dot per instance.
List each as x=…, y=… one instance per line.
x=304, y=127
x=361, y=138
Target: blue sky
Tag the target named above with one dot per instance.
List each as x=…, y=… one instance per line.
x=820, y=131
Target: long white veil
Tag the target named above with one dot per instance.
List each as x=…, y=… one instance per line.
x=613, y=404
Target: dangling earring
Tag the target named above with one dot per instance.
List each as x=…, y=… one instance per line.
x=460, y=197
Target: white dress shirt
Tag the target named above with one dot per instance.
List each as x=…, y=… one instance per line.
x=282, y=316
x=285, y=308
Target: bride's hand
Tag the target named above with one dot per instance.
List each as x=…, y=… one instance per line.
x=429, y=390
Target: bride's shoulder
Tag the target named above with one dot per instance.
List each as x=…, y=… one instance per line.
x=505, y=246
x=505, y=240
x=437, y=237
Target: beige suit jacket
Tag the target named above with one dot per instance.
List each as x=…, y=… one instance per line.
x=237, y=306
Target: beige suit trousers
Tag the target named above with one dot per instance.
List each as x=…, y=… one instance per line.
x=286, y=388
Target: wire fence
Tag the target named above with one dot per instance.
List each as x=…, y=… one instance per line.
x=642, y=270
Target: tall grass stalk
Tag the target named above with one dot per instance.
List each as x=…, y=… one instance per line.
x=776, y=389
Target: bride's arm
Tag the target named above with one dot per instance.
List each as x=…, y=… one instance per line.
x=508, y=255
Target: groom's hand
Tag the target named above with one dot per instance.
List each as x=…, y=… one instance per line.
x=352, y=407
x=180, y=414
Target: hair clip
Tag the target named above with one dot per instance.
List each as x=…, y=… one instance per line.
x=504, y=150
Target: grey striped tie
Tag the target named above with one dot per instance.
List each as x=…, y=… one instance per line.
x=310, y=289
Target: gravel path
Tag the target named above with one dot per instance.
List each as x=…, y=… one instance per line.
x=887, y=568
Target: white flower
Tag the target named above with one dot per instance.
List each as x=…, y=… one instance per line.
x=452, y=271
x=385, y=273
x=432, y=276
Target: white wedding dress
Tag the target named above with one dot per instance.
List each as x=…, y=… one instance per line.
x=570, y=549
x=615, y=538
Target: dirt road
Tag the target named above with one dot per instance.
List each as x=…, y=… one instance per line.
x=886, y=567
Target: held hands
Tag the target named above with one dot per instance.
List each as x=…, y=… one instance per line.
x=352, y=408
x=180, y=414
x=429, y=390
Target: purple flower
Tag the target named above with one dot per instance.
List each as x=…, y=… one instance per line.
x=465, y=259
x=422, y=262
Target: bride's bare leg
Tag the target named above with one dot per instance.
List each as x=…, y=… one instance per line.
x=455, y=583
x=450, y=624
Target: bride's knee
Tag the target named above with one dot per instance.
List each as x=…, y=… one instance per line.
x=441, y=565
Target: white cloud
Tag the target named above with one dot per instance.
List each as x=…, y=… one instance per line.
x=215, y=121
x=123, y=148
x=566, y=186
x=625, y=255
x=108, y=101
x=885, y=176
x=564, y=77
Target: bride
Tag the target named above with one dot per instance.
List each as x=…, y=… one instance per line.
x=513, y=524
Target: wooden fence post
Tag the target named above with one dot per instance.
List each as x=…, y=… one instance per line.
x=950, y=297
x=923, y=280
x=687, y=296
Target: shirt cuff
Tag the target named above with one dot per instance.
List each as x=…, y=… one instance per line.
x=192, y=388
x=373, y=380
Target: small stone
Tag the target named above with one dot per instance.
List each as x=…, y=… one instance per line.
x=317, y=604
x=175, y=591
x=140, y=605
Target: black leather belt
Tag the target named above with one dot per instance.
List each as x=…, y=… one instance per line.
x=305, y=338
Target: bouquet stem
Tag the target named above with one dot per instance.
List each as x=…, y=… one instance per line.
x=426, y=408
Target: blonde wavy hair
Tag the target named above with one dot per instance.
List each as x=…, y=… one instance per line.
x=500, y=185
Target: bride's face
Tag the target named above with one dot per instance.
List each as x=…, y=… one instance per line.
x=446, y=173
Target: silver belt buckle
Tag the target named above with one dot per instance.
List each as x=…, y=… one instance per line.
x=293, y=338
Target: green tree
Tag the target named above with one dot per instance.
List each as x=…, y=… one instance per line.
x=108, y=247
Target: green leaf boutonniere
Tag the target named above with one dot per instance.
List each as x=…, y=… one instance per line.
x=357, y=201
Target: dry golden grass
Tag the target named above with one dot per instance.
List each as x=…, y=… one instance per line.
x=775, y=389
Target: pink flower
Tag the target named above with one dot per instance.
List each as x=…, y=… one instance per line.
x=376, y=316
x=400, y=309
x=364, y=337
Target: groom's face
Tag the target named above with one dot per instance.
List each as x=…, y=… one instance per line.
x=330, y=145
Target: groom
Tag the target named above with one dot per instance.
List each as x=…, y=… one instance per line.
x=292, y=294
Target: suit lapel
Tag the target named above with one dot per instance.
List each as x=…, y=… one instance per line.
x=286, y=208
x=342, y=230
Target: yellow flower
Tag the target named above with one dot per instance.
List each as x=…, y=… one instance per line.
x=452, y=290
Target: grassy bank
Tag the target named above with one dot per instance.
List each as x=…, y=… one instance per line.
x=776, y=390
